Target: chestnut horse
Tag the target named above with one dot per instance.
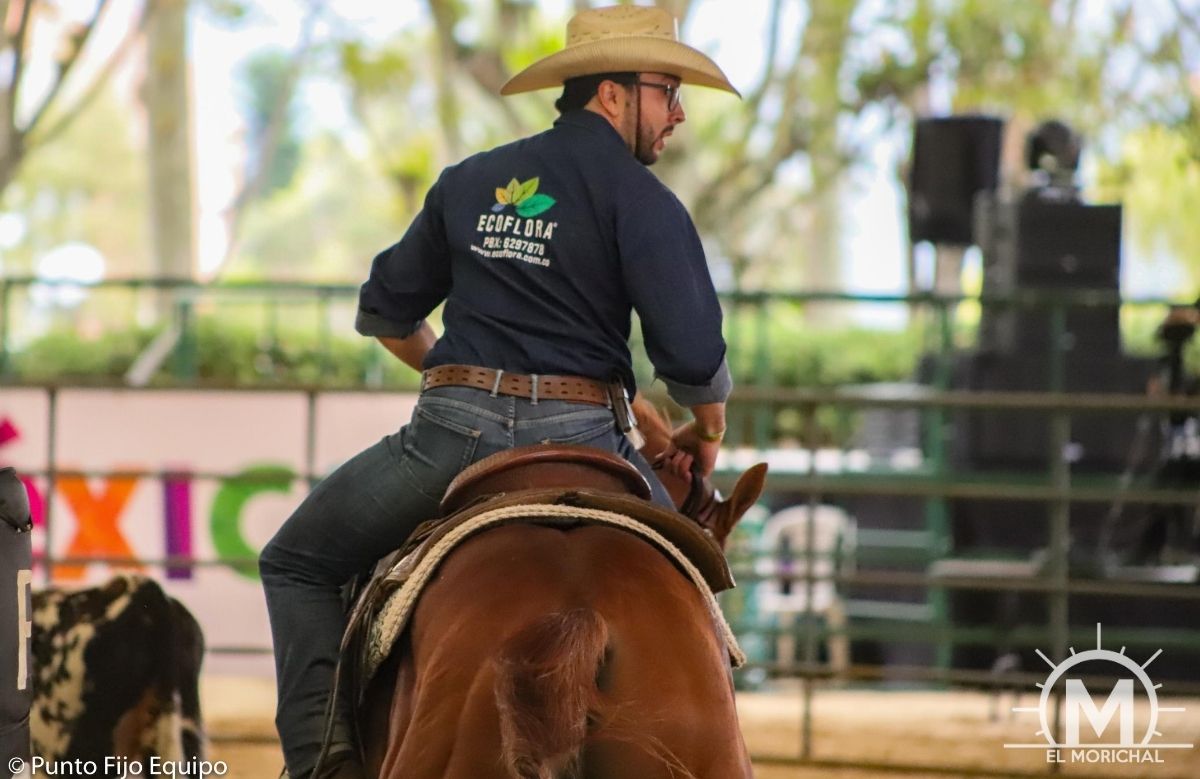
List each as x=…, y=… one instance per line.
x=540, y=653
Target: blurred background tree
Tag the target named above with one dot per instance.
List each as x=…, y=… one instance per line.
x=43, y=43
x=770, y=180
x=60, y=115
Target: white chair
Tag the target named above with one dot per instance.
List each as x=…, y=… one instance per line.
x=783, y=558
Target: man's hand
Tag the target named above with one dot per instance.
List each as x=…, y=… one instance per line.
x=695, y=444
x=689, y=449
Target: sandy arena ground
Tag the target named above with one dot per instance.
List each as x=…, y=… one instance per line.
x=951, y=729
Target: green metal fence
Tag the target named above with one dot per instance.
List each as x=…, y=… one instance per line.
x=760, y=326
x=918, y=559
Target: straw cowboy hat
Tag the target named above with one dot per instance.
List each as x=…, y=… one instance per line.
x=623, y=38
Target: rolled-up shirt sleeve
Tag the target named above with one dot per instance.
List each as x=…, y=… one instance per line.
x=668, y=281
x=409, y=279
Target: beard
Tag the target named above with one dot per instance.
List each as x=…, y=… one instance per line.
x=642, y=135
x=643, y=148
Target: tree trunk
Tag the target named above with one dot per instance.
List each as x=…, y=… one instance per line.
x=824, y=43
x=10, y=158
x=167, y=99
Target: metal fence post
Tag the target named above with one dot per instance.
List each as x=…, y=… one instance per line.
x=5, y=302
x=764, y=414
x=185, y=362
x=937, y=522
x=1060, y=508
x=810, y=563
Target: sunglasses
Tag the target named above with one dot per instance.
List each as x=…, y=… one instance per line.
x=670, y=90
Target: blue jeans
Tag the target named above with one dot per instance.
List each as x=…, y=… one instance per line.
x=368, y=507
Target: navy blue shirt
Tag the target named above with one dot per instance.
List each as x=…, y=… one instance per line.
x=541, y=249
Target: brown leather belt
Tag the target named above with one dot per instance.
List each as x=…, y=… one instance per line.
x=519, y=385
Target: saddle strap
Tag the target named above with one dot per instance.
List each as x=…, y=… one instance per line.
x=701, y=501
x=702, y=498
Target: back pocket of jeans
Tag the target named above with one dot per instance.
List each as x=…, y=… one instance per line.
x=598, y=434
x=436, y=449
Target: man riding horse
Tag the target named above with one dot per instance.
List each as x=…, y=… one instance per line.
x=540, y=249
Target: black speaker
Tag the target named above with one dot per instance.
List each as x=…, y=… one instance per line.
x=1044, y=244
x=954, y=158
x=1019, y=439
x=1094, y=330
x=1068, y=245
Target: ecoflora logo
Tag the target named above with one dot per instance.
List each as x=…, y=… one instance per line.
x=1119, y=703
x=524, y=196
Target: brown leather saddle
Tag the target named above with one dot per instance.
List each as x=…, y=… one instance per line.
x=544, y=466
x=574, y=475
x=569, y=475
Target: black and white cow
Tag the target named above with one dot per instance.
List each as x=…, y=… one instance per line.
x=116, y=673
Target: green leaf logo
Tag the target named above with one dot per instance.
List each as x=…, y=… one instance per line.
x=534, y=204
x=526, y=191
x=524, y=196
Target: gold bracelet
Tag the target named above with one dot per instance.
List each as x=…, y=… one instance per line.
x=711, y=438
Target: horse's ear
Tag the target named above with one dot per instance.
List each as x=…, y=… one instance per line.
x=745, y=493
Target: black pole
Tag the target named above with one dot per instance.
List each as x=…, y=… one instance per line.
x=16, y=574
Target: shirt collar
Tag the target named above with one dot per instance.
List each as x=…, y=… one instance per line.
x=593, y=123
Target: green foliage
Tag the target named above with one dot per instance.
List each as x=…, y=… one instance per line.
x=63, y=193
x=326, y=224
x=858, y=356
x=774, y=343
x=375, y=72
x=762, y=178
x=1158, y=178
x=62, y=356
x=265, y=80
x=244, y=353
x=543, y=39
x=230, y=11
x=827, y=358
x=226, y=353
x=776, y=347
